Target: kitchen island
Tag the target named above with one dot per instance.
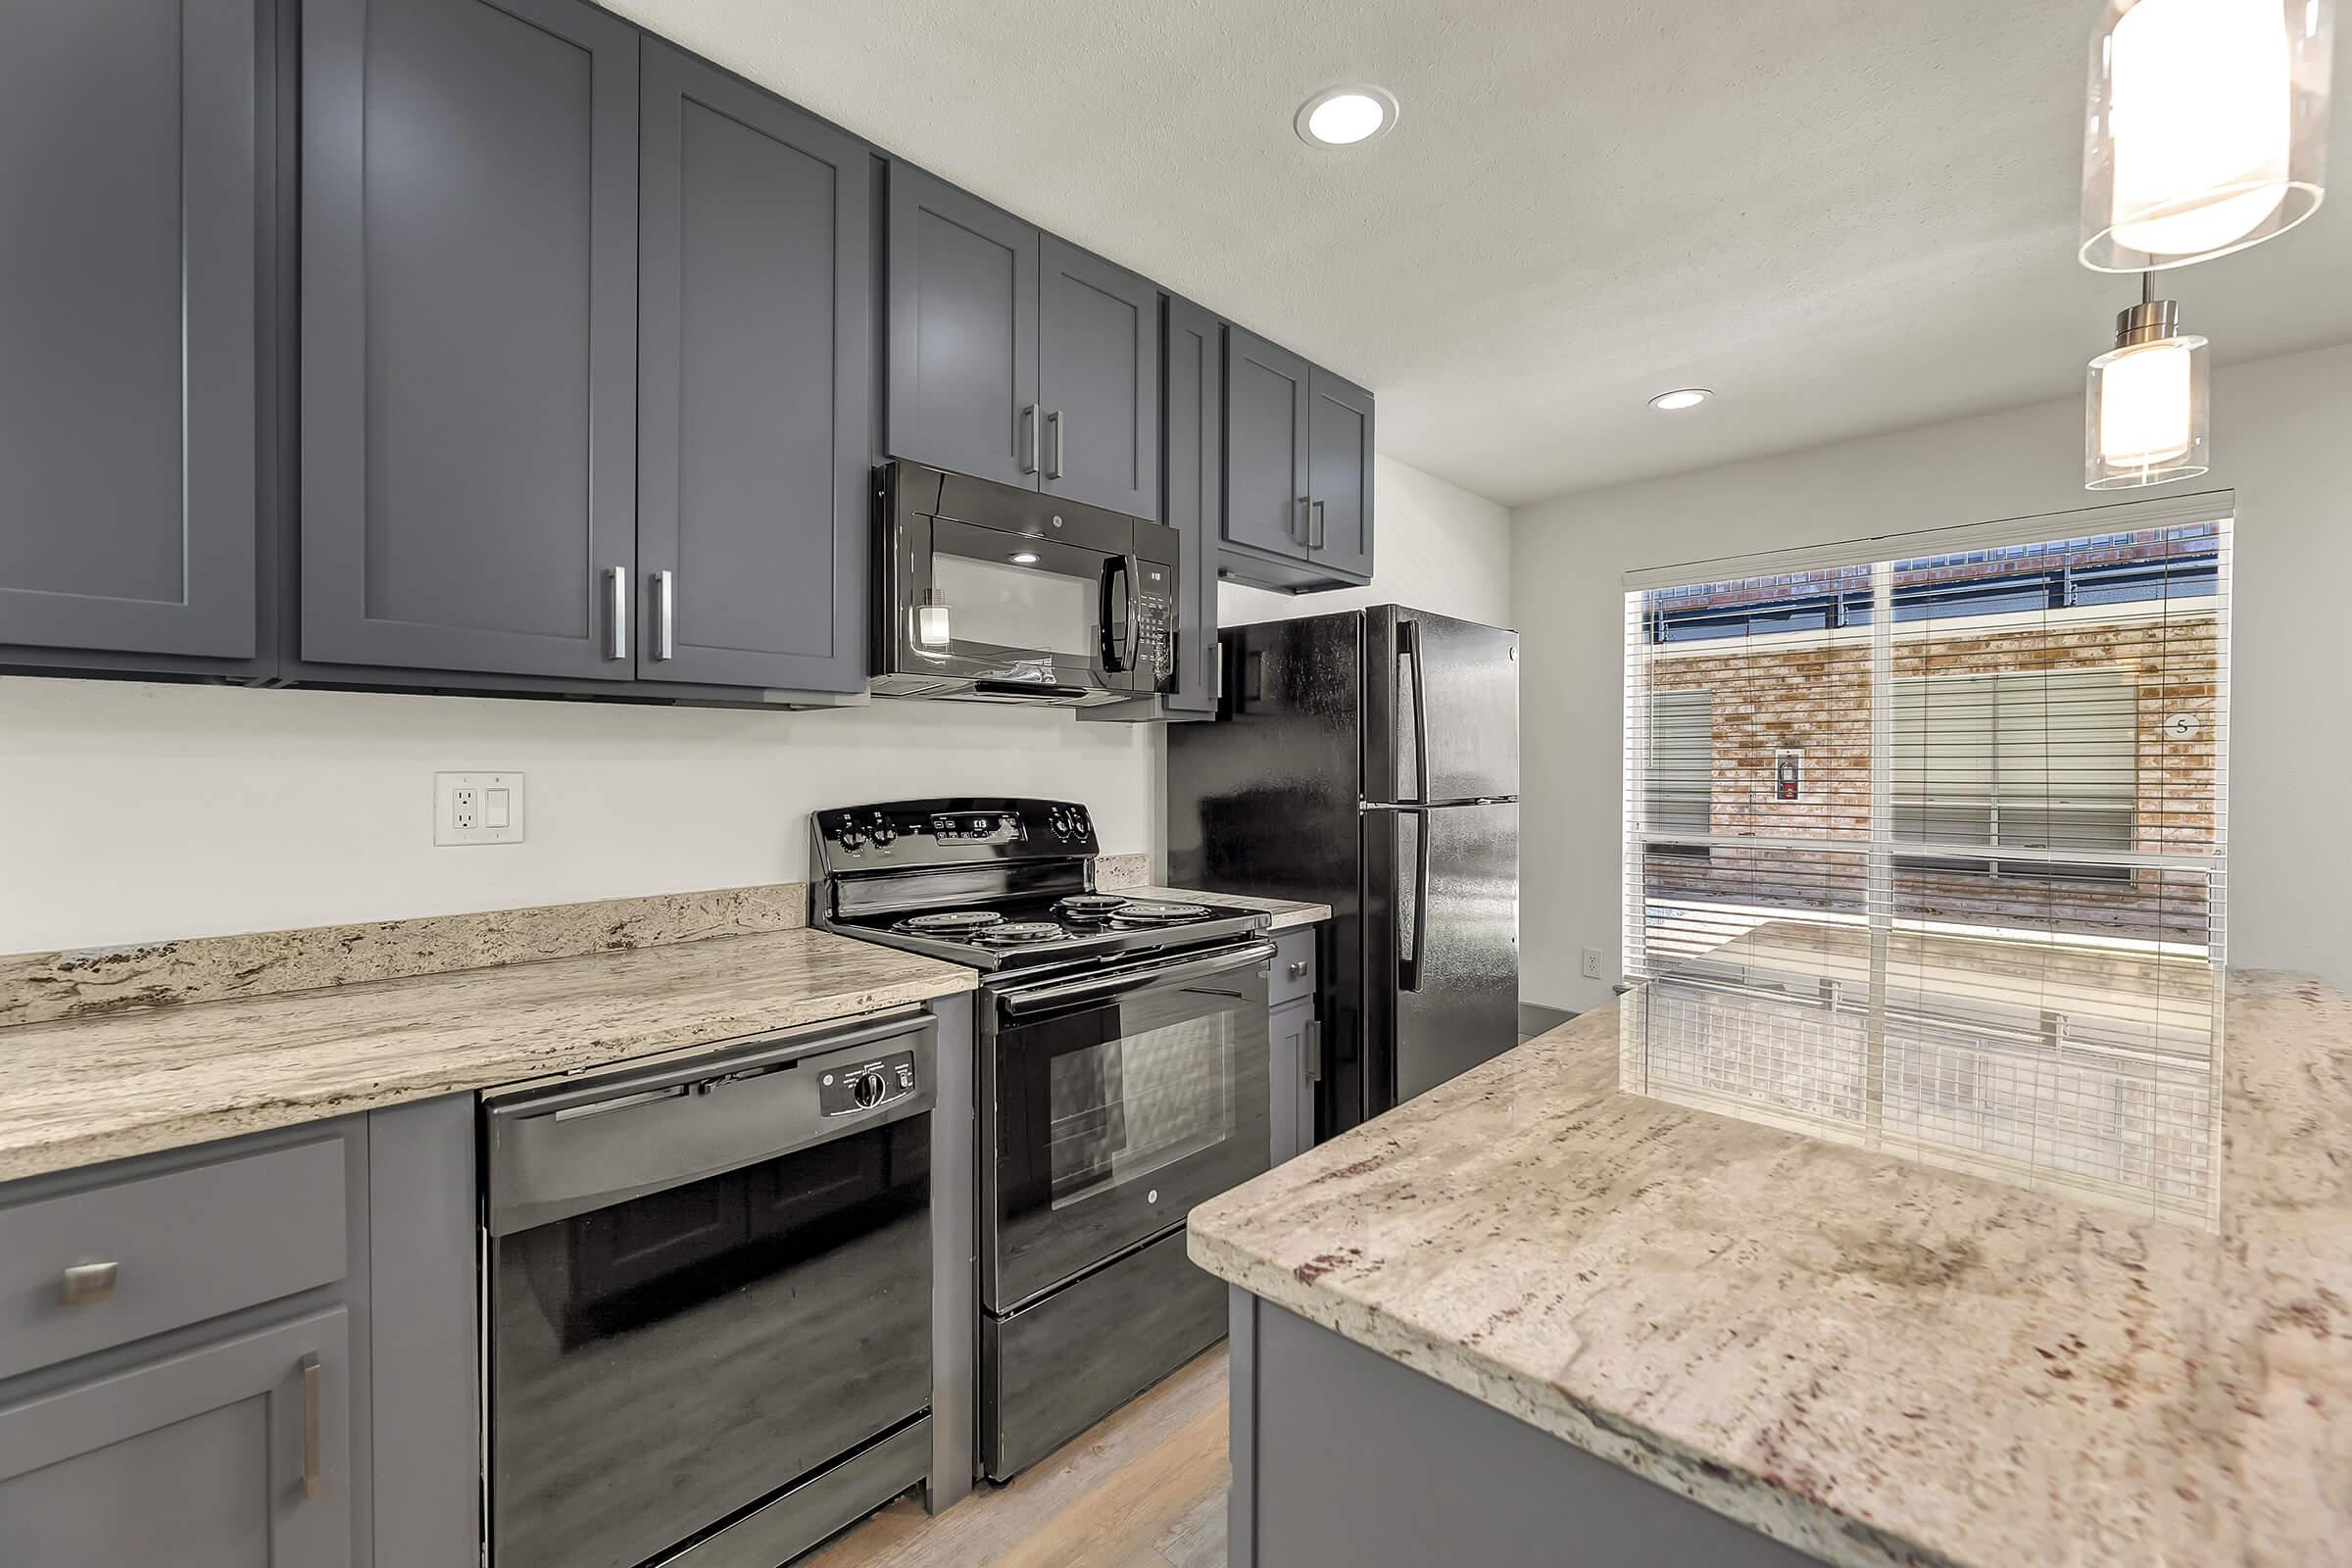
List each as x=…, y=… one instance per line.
x=1528, y=1318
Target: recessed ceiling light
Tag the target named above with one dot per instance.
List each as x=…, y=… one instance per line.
x=1341, y=117
x=1690, y=397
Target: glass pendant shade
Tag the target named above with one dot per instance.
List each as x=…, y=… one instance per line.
x=2208, y=128
x=2145, y=407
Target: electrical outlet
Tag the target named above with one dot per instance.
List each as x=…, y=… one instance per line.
x=1591, y=963
x=478, y=808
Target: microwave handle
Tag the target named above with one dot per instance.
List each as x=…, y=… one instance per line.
x=1116, y=630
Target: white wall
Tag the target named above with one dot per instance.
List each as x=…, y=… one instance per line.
x=131, y=811
x=2280, y=434
x=1435, y=547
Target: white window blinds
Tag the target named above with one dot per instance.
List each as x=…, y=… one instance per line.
x=1925, y=845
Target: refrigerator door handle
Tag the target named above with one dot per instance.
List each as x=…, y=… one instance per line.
x=1408, y=645
x=1408, y=953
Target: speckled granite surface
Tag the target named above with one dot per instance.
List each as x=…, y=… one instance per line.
x=1874, y=1362
x=91, y=1089
x=35, y=987
x=1287, y=912
x=1119, y=872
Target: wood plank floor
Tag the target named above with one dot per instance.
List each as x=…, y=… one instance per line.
x=1145, y=1488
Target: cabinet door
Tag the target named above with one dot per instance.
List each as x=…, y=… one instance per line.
x=755, y=367
x=233, y=1455
x=1340, y=476
x=962, y=331
x=127, y=287
x=1194, y=496
x=1265, y=445
x=1290, y=1036
x=1099, y=379
x=469, y=335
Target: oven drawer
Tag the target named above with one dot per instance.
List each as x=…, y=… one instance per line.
x=1053, y=1369
x=106, y=1265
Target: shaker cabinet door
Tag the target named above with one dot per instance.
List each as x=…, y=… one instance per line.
x=1099, y=380
x=236, y=1454
x=1193, y=495
x=962, y=334
x=1340, y=476
x=468, y=336
x=1265, y=445
x=128, y=274
x=756, y=354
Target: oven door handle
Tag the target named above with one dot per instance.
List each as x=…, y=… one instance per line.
x=1116, y=628
x=1018, y=1003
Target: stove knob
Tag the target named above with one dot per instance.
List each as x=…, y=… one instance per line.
x=852, y=839
x=884, y=833
x=868, y=1090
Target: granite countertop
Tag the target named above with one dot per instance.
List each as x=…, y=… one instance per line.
x=1875, y=1361
x=97, y=1086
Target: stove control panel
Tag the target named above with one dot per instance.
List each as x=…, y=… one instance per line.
x=847, y=1090
x=965, y=830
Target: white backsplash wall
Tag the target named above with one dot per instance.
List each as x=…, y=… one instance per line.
x=133, y=811
x=1435, y=547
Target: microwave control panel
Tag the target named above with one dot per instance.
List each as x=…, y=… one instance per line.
x=1156, y=621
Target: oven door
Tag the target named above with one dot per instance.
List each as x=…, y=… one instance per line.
x=1112, y=1104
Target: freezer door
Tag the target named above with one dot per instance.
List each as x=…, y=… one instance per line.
x=1442, y=943
x=1442, y=709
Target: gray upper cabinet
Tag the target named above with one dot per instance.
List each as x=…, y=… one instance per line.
x=1297, y=470
x=1339, y=468
x=1265, y=445
x=963, y=387
x=468, y=336
x=1195, y=494
x=129, y=285
x=754, y=376
x=1099, y=381
x=235, y=1454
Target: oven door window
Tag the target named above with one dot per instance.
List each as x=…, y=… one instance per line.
x=662, y=1362
x=1110, y=1121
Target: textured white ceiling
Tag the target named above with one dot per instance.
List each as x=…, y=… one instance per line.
x=1844, y=216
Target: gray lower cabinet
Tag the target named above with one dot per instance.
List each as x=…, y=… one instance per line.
x=130, y=285
x=256, y=1353
x=468, y=336
x=234, y=1454
x=1297, y=470
x=1017, y=356
x=1295, y=1041
x=755, y=379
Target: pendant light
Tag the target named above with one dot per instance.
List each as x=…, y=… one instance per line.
x=2145, y=404
x=2208, y=128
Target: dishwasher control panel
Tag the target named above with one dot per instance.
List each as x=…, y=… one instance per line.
x=850, y=1088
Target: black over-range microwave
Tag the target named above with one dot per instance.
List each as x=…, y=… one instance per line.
x=996, y=594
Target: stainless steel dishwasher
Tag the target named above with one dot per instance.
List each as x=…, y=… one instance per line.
x=707, y=1326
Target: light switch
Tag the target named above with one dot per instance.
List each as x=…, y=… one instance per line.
x=478, y=808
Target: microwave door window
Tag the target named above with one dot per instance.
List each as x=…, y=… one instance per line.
x=1006, y=606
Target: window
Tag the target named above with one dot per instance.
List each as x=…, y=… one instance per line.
x=1681, y=775
x=2022, y=758
x=1925, y=845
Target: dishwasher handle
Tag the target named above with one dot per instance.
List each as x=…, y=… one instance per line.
x=557, y=1149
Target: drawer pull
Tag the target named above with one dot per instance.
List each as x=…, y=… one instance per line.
x=89, y=1283
x=311, y=1374
x=1299, y=970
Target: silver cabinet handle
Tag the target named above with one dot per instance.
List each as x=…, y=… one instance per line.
x=1314, y=530
x=618, y=577
x=1314, y=1051
x=313, y=1480
x=88, y=1283
x=1305, y=528
x=1298, y=970
x=665, y=615
x=1054, y=420
x=1029, y=416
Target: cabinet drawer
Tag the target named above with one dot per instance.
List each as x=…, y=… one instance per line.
x=1294, y=973
x=184, y=1245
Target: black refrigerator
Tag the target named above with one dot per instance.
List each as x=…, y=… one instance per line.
x=1369, y=759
